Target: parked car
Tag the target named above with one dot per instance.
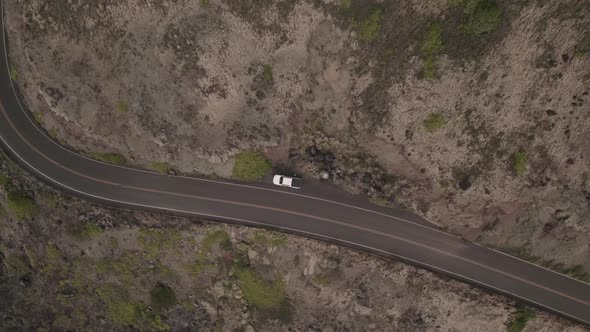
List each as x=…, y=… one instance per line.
x=287, y=181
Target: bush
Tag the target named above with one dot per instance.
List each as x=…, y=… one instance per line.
x=481, y=16
x=4, y=180
x=520, y=319
x=370, y=26
x=519, y=162
x=251, y=166
x=267, y=73
x=433, y=122
x=431, y=46
x=87, y=231
x=160, y=167
x=21, y=205
x=14, y=73
x=260, y=294
x=162, y=297
x=108, y=157
x=121, y=107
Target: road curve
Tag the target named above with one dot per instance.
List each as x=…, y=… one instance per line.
x=340, y=219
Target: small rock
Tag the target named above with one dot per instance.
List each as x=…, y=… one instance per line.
x=551, y=112
x=248, y=328
x=324, y=175
x=172, y=172
x=252, y=254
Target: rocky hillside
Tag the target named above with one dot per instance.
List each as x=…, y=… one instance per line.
x=473, y=113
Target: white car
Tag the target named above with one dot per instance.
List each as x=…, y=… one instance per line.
x=287, y=181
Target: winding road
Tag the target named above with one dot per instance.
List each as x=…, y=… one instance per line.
x=336, y=217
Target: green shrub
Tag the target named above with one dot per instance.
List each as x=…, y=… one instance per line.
x=14, y=73
x=87, y=231
x=38, y=117
x=430, y=48
x=160, y=167
x=481, y=16
x=124, y=313
x=121, y=107
x=162, y=297
x=259, y=293
x=519, y=162
x=4, y=180
x=371, y=25
x=433, y=122
x=520, y=319
x=267, y=73
x=21, y=205
x=251, y=166
x=108, y=157
x=345, y=4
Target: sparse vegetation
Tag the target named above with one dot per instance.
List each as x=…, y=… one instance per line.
x=109, y=157
x=161, y=167
x=481, y=17
x=371, y=25
x=520, y=319
x=267, y=72
x=121, y=107
x=380, y=201
x=321, y=280
x=162, y=297
x=203, y=261
x=430, y=48
x=519, y=162
x=251, y=166
x=345, y=4
x=259, y=293
x=154, y=241
x=86, y=231
x=433, y=122
x=124, y=313
x=22, y=205
x=268, y=239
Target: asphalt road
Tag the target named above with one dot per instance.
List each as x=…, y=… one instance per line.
x=334, y=217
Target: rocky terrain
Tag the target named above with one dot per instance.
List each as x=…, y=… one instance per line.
x=70, y=265
x=473, y=113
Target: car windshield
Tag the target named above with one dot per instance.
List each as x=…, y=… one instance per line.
x=281, y=180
